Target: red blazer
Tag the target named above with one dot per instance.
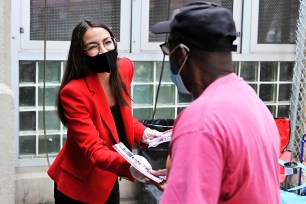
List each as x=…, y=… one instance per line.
x=87, y=166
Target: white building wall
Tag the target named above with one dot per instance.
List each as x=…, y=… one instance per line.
x=7, y=172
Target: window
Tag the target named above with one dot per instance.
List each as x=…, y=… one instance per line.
x=31, y=124
x=274, y=25
x=144, y=89
x=272, y=81
x=154, y=11
x=63, y=15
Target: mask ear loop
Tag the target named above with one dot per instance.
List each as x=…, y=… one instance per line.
x=181, y=67
x=181, y=45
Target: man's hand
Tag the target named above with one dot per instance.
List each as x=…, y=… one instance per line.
x=162, y=173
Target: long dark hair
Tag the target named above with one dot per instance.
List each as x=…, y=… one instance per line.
x=77, y=68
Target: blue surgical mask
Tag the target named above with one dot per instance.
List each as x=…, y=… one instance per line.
x=177, y=80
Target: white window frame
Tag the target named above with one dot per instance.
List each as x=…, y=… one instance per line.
x=147, y=46
x=265, y=48
x=27, y=44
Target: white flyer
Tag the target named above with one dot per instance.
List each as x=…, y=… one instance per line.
x=129, y=157
x=166, y=137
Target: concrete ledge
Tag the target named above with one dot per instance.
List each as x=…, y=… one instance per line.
x=33, y=185
x=128, y=190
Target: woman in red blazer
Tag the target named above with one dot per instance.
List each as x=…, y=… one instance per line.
x=94, y=104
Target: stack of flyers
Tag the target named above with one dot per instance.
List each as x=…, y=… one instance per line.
x=166, y=137
x=129, y=157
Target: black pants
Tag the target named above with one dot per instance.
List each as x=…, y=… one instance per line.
x=60, y=198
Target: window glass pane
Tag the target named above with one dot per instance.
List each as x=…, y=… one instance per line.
x=166, y=72
x=286, y=71
x=254, y=86
x=272, y=110
x=64, y=138
x=50, y=96
x=27, y=145
x=27, y=121
x=166, y=94
x=236, y=67
x=268, y=71
x=249, y=71
x=180, y=109
x=143, y=72
x=53, y=144
x=143, y=113
x=161, y=10
x=52, y=121
x=277, y=21
x=143, y=94
x=27, y=96
x=184, y=98
x=267, y=92
x=27, y=71
x=284, y=92
x=164, y=113
x=64, y=15
x=283, y=111
x=53, y=71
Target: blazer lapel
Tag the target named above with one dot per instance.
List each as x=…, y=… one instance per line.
x=100, y=99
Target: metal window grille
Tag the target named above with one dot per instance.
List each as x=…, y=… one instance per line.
x=277, y=21
x=63, y=15
x=161, y=10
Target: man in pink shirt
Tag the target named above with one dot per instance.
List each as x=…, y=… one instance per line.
x=225, y=145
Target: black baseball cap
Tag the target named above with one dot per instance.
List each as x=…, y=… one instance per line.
x=201, y=24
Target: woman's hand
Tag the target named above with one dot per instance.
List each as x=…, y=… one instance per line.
x=150, y=134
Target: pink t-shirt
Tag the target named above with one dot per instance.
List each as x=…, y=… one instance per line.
x=224, y=149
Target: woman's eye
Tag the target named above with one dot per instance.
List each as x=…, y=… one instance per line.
x=91, y=47
x=108, y=42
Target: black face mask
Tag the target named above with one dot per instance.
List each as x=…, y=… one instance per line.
x=104, y=62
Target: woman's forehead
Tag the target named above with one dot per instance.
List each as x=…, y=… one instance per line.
x=95, y=34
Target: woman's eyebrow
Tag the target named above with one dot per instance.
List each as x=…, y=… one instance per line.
x=107, y=38
x=93, y=42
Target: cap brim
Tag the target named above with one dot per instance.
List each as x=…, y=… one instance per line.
x=161, y=27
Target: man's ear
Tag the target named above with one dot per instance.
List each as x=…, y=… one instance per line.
x=183, y=51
